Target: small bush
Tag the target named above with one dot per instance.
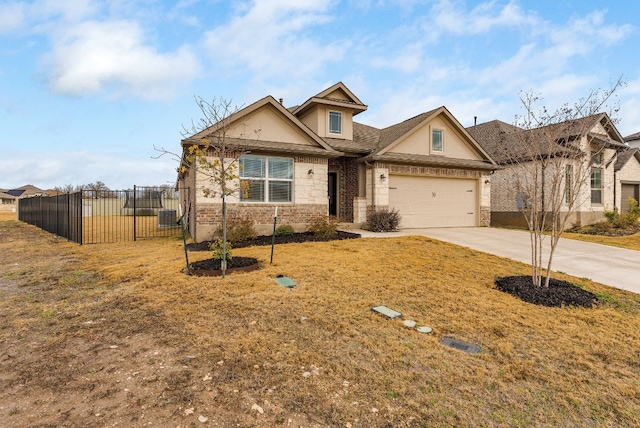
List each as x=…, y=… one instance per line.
x=239, y=229
x=611, y=216
x=216, y=248
x=285, y=229
x=383, y=220
x=323, y=225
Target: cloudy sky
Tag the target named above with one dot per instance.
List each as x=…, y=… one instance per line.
x=88, y=87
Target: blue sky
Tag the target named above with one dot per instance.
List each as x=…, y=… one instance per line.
x=87, y=88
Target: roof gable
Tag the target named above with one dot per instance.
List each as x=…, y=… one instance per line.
x=412, y=136
x=280, y=126
x=625, y=157
x=337, y=95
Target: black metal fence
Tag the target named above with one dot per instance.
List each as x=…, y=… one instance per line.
x=102, y=216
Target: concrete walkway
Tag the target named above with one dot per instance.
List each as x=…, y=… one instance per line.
x=612, y=266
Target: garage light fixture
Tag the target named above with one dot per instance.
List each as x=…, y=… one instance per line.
x=383, y=177
x=310, y=172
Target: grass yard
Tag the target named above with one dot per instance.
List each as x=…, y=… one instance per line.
x=631, y=242
x=99, y=335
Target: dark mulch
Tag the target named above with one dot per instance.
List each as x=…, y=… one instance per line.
x=215, y=264
x=560, y=293
x=282, y=239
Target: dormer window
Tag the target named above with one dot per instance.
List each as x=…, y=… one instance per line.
x=335, y=122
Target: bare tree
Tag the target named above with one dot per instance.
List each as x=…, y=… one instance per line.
x=213, y=146
x=98, y=189
x=551, y=155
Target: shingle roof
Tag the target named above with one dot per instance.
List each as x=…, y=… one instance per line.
x=635, y=136
x=624, y=157
x=272, y=147
x=430, y=160
x=504, y=142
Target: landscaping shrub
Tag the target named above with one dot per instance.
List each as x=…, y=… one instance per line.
x=239, y=229
x=323, y=225
x=383, y=220
x=285, y=229
x=216, y=247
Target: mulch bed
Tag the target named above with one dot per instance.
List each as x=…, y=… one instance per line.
x=213, y=267
x=282, y=239
x=560, y=293
x=606, y=231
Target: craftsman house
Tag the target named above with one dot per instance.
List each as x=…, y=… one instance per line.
x=314, y=159
x=594, y=145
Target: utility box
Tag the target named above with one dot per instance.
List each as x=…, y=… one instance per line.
x=167, y=218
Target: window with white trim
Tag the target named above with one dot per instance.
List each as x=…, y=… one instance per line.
x=596, y=185
x=437, y=140
x=335, y=122
x=266, y=179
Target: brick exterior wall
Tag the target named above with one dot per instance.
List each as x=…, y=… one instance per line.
x=504, y=191
x=209, y=216
x=347, y=169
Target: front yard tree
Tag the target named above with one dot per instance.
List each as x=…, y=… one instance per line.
x=552, y=157
x=214, y=146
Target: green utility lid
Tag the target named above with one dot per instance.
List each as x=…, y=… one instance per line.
x=389, y=313
x=285, y=281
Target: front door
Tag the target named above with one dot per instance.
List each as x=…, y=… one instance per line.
x=333, y=194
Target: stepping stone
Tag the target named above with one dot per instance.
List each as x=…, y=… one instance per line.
x=285, y=281
x=424, y=329
x=409, y=323
x=469, y=348
x=389, y=313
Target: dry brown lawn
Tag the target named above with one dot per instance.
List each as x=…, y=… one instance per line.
x=631, y=242
x=99, y=335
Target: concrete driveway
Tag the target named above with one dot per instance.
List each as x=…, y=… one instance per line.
x=612, y=266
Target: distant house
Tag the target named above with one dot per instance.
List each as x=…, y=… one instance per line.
x=314, y=159
x=598, y=139
x=9, y=197
x=633, y=140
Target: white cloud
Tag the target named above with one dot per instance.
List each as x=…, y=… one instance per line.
x=12, y=16
x=94, y=56
x=269, y=38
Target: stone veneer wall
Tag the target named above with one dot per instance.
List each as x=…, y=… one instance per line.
x=347, y=169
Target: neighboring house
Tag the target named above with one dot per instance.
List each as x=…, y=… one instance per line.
x=633, y=140
x=9, y=197
x=314, y=159
x=627, y=170
x=596, y=137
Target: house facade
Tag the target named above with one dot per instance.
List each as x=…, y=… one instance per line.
x=627, y=171
x=315, y=159
x=9, y=197
x=589, y=149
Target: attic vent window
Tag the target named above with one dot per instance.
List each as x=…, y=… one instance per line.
x=437, y=140
x=335, y=122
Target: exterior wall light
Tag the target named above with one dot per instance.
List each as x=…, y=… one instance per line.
x=383, y=177
x=310, y=172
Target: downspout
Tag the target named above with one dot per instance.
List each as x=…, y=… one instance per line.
x=373, y=186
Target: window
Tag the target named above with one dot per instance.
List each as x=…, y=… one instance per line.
x=596, y=158
x=568, y=183
x=335, y=122
x=266, y=179
x=596, y=185
x=437, y=140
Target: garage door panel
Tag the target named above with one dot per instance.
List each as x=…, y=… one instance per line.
x=433, y=202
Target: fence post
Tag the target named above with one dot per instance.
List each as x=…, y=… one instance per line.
x=134, y=212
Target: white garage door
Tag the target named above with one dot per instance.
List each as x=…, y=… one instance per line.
x=433, y=202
